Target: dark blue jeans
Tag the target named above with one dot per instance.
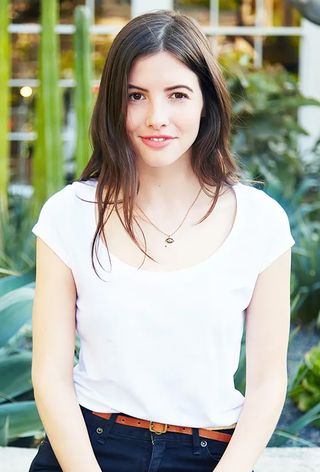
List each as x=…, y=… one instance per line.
x=123, y=448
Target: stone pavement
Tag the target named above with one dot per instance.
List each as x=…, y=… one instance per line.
x=289, y=459
x=273, y=459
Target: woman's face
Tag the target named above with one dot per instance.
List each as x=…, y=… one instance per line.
x=154, y=110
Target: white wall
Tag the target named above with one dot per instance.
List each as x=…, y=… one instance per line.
x=309, y=117
x=142, y=6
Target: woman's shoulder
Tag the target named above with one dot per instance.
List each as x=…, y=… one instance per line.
x=259, y=200
x=72, y=193
x=266, y=218
x=66, y=203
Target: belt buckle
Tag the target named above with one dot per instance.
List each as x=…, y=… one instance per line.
x=151, y=426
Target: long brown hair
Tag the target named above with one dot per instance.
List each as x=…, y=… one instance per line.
x=113, y=160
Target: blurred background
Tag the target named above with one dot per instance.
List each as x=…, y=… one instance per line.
x=51, y=58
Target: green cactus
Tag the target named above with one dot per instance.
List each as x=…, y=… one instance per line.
x=4, y=108
x=48, y=171
x=83, y=92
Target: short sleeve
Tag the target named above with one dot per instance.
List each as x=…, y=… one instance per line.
x=52, y=225
x=276, y=231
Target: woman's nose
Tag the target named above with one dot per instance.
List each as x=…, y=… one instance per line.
x=157, y=116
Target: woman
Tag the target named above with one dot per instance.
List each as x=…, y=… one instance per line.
x=188, y=253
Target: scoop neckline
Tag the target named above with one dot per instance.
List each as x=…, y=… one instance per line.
x=184, y=270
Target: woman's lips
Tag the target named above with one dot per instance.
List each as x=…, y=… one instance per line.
x=156, y=144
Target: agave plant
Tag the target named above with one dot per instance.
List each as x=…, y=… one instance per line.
x=280, y=436
x=306, y=267
x=18, y=249
x=310, y=9
x=19, y=416
x=303, y=209
x=292, y=432
x=305, y=390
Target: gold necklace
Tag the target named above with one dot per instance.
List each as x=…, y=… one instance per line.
x=169, y=238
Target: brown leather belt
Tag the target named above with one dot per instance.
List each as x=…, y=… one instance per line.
x=159, y=428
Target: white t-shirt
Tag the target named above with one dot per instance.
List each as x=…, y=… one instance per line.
x=163, y=346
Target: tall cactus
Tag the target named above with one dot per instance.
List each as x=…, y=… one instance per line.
x=48, y=163
x=4, y=105
x=83, y=91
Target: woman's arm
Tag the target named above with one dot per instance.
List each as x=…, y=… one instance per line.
x=267, y=336
x=53, y=333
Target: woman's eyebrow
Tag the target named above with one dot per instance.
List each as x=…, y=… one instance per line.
x=167, y=89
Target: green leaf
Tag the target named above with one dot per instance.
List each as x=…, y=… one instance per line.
x=15, y=311
x=15, y=375
x=24, y=419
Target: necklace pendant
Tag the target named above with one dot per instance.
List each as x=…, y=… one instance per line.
x=169, y=240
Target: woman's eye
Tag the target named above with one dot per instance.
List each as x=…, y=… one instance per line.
x=182, y=95
x=135, y=95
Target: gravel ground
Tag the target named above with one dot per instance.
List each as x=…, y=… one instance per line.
x=303, y=341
